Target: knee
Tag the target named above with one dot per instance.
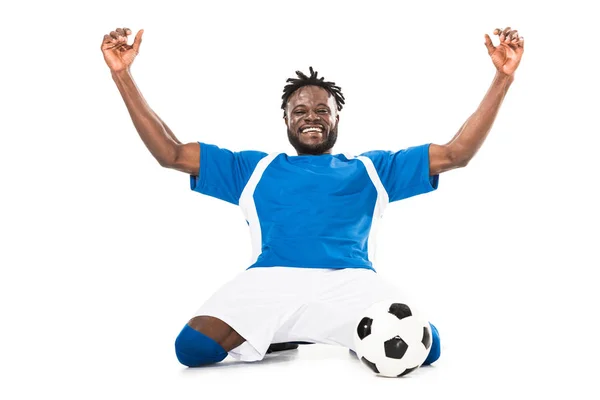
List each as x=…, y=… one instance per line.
x=193, y=348
x=435, y=350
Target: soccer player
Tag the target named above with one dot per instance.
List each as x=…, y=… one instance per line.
x=312, y=217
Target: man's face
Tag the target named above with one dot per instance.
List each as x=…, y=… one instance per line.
x=312, y=119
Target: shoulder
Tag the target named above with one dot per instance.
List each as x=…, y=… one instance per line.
x=412, y=151
x=374, y=154
x=220, y=152
x=377, y=157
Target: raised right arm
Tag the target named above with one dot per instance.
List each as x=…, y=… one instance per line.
x=158, y=138
x=162, y=143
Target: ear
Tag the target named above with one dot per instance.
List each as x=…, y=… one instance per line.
x=286, y=120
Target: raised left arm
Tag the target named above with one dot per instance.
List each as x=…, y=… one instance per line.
x=464, y=145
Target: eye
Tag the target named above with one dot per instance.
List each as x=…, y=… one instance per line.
x=323, y=111
x=299, y=112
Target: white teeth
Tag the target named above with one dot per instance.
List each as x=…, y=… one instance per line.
x=312, y=129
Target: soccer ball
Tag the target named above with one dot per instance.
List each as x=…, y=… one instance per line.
x=392, y=339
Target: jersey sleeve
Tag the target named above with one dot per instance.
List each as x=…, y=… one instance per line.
x=404, y=173
x=223, y=173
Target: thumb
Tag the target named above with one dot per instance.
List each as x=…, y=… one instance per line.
x=488, y=44
x=137, y=41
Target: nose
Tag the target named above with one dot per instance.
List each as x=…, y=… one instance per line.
x=312, y=116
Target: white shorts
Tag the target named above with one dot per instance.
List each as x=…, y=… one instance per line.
x=282, y=304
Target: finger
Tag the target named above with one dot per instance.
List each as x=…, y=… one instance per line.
x=114, y=35
x=138, y=41
x=489, y=44
x=126, y=33
x=521, y=43
x=106, y=41
x=512, y=36
x=110, y=46
x=508, y=36
x=504, y=34
x=123, y=31
x=109, y=42
x=122, y=35
x=497, y=31
x=118, y=45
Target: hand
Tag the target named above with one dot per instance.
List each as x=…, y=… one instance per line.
x=507, y=55
x=117, y=53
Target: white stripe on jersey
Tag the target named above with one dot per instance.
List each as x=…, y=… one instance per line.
x=380, y=205
x=249, y=208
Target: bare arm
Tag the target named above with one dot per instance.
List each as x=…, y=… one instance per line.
x=465, y=144
x=158, y=138
x=169, y=132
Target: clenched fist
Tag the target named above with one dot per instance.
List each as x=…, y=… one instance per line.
x=117, y=53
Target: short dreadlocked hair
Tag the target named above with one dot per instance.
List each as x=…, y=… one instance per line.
x=311, y=80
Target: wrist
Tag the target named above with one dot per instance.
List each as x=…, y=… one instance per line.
x=122, y=74
x=501, y=77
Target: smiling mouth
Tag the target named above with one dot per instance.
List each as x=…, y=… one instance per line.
x=312, y=129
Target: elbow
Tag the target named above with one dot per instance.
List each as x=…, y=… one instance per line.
x=165, y=163
x=168, y=159
x=462, y=162
x=458, y=159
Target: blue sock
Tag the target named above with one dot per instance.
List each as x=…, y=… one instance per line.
x=434, y=352
x=194, y=348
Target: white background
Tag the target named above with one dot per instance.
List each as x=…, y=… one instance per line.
x=105, y=255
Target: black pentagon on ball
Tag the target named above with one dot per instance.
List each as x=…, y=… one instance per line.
x=370, y=365
x=408, y=371
x=364, y=327
x=395, y=347
x=400, y=310
x=426, y=338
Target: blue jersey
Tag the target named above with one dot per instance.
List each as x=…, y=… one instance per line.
x=313, y=211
